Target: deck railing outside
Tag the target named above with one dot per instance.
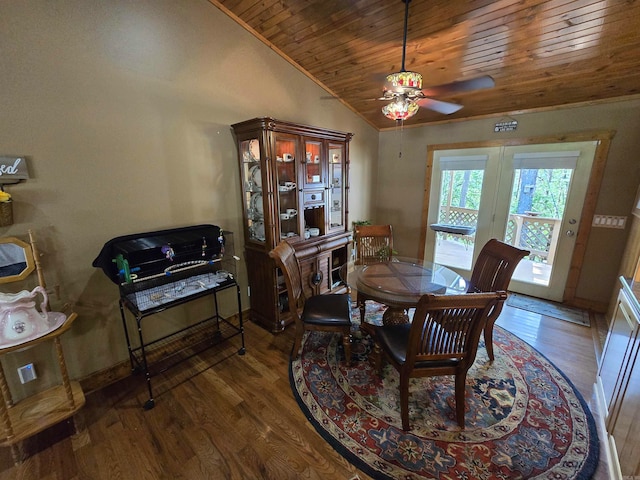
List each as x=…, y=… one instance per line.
x=531, y=232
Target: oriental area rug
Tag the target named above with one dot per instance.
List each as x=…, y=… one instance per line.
x=524, y=419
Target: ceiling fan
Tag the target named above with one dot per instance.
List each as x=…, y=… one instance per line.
x=404, y=88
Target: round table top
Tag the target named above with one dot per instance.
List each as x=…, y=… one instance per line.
x=402, y=281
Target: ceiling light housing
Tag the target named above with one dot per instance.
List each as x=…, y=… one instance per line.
x=400, y=109
x=405, y=82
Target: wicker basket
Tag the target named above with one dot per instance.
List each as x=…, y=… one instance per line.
x=6, y=213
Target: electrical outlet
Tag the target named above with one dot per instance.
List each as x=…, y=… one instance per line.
x=27, y=373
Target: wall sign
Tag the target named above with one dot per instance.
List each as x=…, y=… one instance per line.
x=13, y=169
x=508, y=126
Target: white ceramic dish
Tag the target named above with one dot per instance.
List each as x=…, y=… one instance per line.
x=255, y=176
x=254, y=149
x=47, y=323
x=257, y=229
x=256, y=203
x=314, y=232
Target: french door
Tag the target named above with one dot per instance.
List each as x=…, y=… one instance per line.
x=530, y=196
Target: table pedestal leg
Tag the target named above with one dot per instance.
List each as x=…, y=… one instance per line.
x=395, y=316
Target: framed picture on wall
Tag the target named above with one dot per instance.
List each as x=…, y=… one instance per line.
x=636, y=204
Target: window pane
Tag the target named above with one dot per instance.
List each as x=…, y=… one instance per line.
x=459, y=204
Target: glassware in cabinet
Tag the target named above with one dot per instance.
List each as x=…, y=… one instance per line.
x=287, y=182
x=252, y=182
x=336, y=187
x=313, y=161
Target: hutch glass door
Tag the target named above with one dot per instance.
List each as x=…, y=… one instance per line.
x=314, y=192
x=336, y=187
x=252, y=176
x=313, y=164
x=286, y=177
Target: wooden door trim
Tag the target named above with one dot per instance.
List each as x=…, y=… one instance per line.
x=603, y=137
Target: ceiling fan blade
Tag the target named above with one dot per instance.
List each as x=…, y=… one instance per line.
x=439, y=106
x=460, y=86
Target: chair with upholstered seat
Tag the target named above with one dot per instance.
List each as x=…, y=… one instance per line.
x=441, y=340
x=327, y=313
x=374, y=243
x=492, y=272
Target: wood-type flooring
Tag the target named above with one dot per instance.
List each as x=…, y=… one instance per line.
x=225, y=416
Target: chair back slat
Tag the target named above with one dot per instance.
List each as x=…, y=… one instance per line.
x=448, y=327
x=374, y=243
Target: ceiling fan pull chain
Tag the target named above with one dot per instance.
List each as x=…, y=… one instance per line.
x=401, y=125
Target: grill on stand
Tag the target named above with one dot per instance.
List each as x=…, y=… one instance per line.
x=156, y=271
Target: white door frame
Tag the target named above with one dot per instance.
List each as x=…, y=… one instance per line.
x=603, y=139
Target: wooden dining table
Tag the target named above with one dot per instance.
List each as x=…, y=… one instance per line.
x=399, y=283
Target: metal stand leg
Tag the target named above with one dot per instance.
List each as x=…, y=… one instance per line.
x=126, y=334
x=149, y=404
x=241, y=326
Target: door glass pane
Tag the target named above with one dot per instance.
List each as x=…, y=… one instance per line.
x=252, y=180
x=336, y=178
x=538, y=200
x=312, y=164
x=461, y=187
x=287, y=176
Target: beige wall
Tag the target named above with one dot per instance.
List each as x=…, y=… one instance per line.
x=402, y=206
x=123, y=110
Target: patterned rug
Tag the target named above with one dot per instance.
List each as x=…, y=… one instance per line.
x=524, y=418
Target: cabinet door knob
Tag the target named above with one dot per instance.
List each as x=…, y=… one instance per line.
x=316, y=278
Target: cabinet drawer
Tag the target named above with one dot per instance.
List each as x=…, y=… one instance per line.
x=315, y=197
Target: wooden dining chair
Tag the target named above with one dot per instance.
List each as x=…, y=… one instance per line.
x=327, y=313
x=441, y=340
x=492, y=272
x=374, y=243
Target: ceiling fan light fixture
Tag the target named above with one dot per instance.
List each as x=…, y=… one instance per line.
x=400, y=109
x=405, y=81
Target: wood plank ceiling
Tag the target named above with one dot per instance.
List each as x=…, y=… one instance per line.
x=540, y=53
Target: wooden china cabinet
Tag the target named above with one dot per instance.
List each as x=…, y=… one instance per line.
x=294, y=184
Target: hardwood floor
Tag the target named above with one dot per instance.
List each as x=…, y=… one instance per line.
x=234, y=417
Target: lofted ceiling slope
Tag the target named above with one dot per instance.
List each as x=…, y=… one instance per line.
x=541, y=54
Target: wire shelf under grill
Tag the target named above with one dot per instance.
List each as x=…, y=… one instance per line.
x=174, y=348
x=160, y=295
